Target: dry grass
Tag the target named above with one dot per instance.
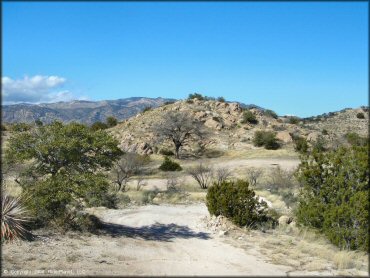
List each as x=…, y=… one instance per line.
x=261, y=153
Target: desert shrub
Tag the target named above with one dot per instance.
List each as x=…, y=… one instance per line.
x=334, y=196
x=98, y=126
x=270, y=113
x=202, y=174
x=253, y=175
x=294, y=120
x=148, y=196
x=221, y=99
x=168, y=102
x=325, y=132
x=39, y=122
x=236, y=201
x=300, y=144
x=14, y=218
x=166, y=152
x=280, y=180
x=195, y=95
x=320, y=144
x=169, y=165
x=354, y=139
x=20, y=127
x=249, y=117
x=222, y=174
x=267, y=139
x=360, y=115
x=85, y=222
x=111, y=121
x=189, y=101
x=147, y=108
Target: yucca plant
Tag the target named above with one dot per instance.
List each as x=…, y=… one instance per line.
x=13, y=218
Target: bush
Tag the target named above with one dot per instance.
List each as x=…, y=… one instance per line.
x=334, y=196
x=98, y=126
x=360, y=115
x=236, y=201
x=195, y=95
x=294, y=120
x=202, y=174
x=169, y=165
x=111, y=121
x=267, y=139
x=249, y=117
x=354, y=139
x=271, y=113
x=325, y=132
x=146, y=109
x=300, y=144
x=221, y=99
x=166, y=152
x=20, y=127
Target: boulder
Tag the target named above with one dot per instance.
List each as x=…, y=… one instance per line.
x=284, y=220
x=213, y=124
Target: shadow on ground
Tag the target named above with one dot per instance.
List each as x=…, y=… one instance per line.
x=157, y=231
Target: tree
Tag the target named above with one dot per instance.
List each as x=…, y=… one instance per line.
x=111, y=121
x=202, y=174
x=249, y=117
x=196, y=95
x=129, y=165
x=222, y=174
x=98, y=126
x=180, y=128
x=334, y=196
x=267, y=139
x=64, y=172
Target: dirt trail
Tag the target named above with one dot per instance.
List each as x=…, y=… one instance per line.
x=147, y=240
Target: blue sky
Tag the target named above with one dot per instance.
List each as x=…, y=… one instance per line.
x=296, y=58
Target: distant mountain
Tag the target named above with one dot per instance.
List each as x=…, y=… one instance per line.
x=82, y=111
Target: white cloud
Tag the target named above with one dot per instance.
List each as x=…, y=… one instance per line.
x=34, y=89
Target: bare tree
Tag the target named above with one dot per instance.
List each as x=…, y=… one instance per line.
x=222, y=174
x=129, y=165
x=202, y=174
x=253, y=174
x=140, y=182
x=180, y=128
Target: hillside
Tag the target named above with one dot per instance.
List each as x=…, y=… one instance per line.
x=82, y=111
x=224, y=120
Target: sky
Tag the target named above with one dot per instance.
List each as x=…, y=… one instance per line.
x=296, y=58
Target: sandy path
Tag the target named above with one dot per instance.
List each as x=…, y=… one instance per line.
x=148, y=240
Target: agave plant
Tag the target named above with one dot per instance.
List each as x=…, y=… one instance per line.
x=13, y=218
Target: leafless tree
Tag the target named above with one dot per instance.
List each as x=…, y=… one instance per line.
x=202, y=174
x=222, y=174
x=129, y=165
x=180, y=128
x=253, y=174
x=140, y=182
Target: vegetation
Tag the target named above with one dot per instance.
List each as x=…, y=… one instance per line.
x=267, y=139
x=179, y=128
x=270, y=113
x=300, y=144
x=111, y=121
x=221, y=99
x=236, y=201
x=325, y=132
x=202, y=174
x=63, y=168
x=146, y=109
x=14, y=217
x=98, y=126
x=166, y=152
x=355, y=140
x=196, y=95
x=249, y=117
x=129, y=165
x=334, y=198
x=360, y=115
x=169, y=165
x=253, y=175
x=294, y=120
x=20, y=127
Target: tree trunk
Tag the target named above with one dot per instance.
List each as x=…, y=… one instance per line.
x=177, y=150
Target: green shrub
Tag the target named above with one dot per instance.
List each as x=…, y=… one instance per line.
x=267, y=139
x=325, y=132
x=300, y=144
x=166, y=152
x=236, y=201
x=169, y=165
x=111, y=121
x=360, y=115
x=354, y=139
x=294, y=120
x=20, y=127
x=196, y=95
x=146, y=109
x=221, y=99
x=334, y=196
x=270, y=113
x=98, y=126
x=249, y=117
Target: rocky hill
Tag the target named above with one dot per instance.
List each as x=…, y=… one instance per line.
x=82, y=111
x=228, y=132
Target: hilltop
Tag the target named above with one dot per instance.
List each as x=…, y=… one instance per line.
x=228, y=132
